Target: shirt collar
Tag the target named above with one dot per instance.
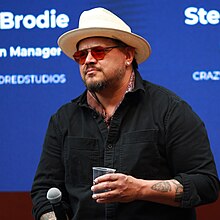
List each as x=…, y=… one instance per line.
x=94, y=103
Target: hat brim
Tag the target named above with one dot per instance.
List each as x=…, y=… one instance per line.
x=68, y=41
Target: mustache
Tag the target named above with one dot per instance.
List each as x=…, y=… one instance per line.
x=90, y=66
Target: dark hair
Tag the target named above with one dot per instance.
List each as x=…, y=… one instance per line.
x=121, y=43
x=135, y=64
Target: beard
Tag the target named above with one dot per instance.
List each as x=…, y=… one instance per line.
x=96, y=86
x=105, y=82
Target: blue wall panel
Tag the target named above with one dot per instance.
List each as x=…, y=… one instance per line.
x=35, y=82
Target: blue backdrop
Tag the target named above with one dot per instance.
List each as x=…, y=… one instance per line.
x=36, y=78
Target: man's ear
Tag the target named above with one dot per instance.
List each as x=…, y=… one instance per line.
x=130, y=53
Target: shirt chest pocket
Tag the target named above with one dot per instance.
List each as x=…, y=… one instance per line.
x=81, y=154
x=139, y=155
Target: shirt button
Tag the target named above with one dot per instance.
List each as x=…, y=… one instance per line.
x=94, y=115
x=109, y=146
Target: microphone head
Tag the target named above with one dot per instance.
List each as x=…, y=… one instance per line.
x=54, y=195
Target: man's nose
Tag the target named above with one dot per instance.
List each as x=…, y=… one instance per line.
x=90, y=58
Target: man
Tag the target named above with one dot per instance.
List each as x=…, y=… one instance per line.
x=157, y=144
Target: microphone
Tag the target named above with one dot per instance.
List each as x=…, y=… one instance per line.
x=54, y=196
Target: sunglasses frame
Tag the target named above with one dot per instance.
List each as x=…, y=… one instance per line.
x=81, y=55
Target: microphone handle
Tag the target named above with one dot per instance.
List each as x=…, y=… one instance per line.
x=59, y=211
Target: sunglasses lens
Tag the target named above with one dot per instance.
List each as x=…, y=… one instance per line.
x=80, y=56
x=98, y=53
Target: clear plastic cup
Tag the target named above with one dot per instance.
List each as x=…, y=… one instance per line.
x=99, y=171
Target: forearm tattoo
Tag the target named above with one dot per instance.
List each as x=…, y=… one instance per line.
x=165, y=186
x=162, y=186
x=48, y=216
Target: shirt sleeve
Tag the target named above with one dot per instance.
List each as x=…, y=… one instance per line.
x=190, y=157
x=50, y=172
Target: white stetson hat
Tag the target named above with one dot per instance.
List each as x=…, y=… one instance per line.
x=99, y=22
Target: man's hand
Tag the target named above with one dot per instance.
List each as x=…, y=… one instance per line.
x=118, y=187
x=48, y=216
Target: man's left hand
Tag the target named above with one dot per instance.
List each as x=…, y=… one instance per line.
x=117, y=187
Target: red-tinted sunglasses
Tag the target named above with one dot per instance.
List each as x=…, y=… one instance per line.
x=98, y=53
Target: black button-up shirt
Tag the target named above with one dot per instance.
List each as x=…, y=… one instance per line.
x=153, y=135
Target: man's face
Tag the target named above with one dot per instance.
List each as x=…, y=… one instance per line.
x=107, y=73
